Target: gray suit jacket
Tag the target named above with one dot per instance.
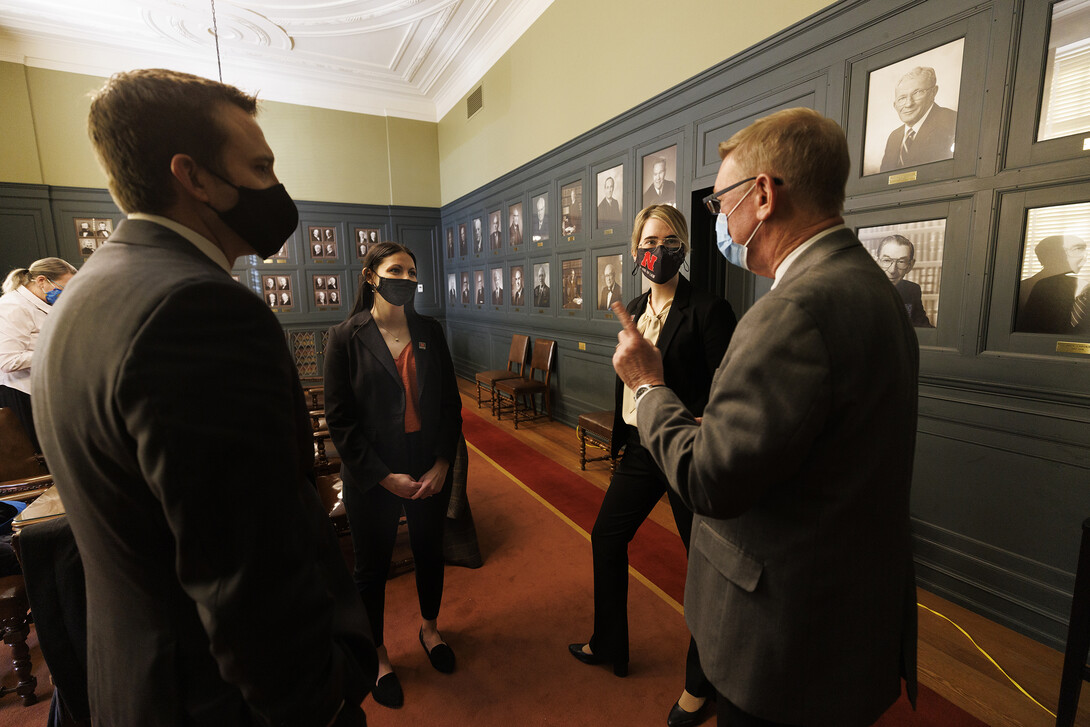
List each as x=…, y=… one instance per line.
x=178, y=436
x=800, y=591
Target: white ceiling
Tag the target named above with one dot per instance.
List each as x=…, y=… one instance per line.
x=407, y=58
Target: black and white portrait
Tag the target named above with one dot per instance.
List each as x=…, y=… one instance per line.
x=539, y=223
x=1054, y=288
x=364, y=238
x=660, y=177
x=610, y=209
x=912, y=110
x=609, y=281
x=514, y=225
x=1065, y=69
x=571, y=208
x=452, y=288
x=495, y=235
x=450, y=243
x=496, y=275
x=478, y=287
x=518, y=288
x=910, y=255
x=463, y=244
x=572, y=276
x=478, y=236
x=541, y=285
x=465, y=288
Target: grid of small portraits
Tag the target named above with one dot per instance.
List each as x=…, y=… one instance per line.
x=92, y=233
x=327, y=291
x=277, y=292
x=322, y=242
x=364, y=238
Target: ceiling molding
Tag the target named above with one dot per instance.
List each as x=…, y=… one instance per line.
x=412, y=59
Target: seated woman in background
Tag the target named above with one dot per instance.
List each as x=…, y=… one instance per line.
x=28, y=293
x=394, y=413
x=692, y=329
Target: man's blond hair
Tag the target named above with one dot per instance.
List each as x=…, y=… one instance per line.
x=802, y=147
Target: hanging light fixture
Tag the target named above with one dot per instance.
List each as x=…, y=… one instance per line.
x=216, y=35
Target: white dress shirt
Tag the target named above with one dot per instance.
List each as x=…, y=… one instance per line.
x=21, y=316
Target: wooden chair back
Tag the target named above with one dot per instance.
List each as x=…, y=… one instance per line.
x=542, y=360
x=519, y=353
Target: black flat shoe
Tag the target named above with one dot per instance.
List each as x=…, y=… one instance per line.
x=678, y=717
x=441, y=657
x=620, y=668
x=387, y=691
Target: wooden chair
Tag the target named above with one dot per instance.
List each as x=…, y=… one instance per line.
x=522, y=392
x=596, y=429
x=516, y=358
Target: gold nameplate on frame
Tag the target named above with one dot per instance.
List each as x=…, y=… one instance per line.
x=1073, y=347
x=904, y=177
x=608, y=232
x=582, y=346
x=541, y=244
x=571, y=238
x=609, y=315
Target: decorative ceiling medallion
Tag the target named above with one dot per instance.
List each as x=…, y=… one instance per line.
x=237, y=26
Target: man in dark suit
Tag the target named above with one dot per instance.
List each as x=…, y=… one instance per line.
x=497, y=286
x=518, y=292
x=661, y=190
x=495, y=239
x=463, y=250
x=928, y=131
x=478, y=240
x=800, y=591
x=450, y=243
x=540, y=228
x=611, y=291
x=896, y=257
x=1045, y=300
x=609, y=211
x=515, y=228
x=178, y=435
x=541, y=290
x=479, y=280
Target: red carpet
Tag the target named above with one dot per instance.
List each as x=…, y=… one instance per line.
x=655, y=552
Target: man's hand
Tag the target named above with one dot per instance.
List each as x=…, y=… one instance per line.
x=636, y=361
x=401, y=485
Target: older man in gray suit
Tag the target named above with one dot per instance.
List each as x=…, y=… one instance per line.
x=800, y=592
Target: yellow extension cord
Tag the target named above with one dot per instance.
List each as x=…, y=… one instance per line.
x=989, y=657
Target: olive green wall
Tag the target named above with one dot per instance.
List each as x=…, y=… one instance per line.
x=583, y=63
x=322, y=155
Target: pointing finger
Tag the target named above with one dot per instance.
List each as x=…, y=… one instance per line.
x=622, y=315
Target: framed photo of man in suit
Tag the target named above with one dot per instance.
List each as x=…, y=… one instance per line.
x=910, y=255
x=452, y=288
x=660, y=177
x=912, y=110
x=542, y=292
x=515, y=225
x=450, y=243
x=609, y=268
x=465, y=287
x=496, y=276
x=1054, y=282
x=610, y=185
x=463, y=244
x=495, y=233
x=539, y=219
x=92, y=233
x=363, y=238
x=478, y=287
x=572, y=290
x=519, y=294
x=571, y=209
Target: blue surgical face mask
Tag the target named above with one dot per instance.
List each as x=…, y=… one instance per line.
x=735, y=253
x=52, y=295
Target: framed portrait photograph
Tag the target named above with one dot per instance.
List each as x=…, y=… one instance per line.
x=496, y=277
x=478, y=287
x=539, y=222
x=542, y=291
x=452, y=288
x=280, y=255
x=463, y=244
x=495, y=232
x=609, y=269
x=92, y=233
x=519, y=296
x=450, y=243
x=660, y=177
x=571, y=209
x=277, y=291
x=514, y=225
x=1065, y=104
x=912, y=109
x=610, y=186
x=1054, y=282
x=478, y=236
x=465, y=287
x=910, y=254
x=572, y=287
x=363, y=239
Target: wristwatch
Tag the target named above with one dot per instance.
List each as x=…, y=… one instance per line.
x=640, y=391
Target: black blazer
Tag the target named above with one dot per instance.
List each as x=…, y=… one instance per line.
x=365, y=400
x=693, y=340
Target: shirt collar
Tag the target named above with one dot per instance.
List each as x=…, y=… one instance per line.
x=198, y=240
x=794, y=254
x=916, y=127
x=33, y=299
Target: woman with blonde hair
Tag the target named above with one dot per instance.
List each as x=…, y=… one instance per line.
x=691, y=328
x=28, y=293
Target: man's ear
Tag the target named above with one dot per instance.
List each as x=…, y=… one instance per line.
x=190, y=176
x=766, y=196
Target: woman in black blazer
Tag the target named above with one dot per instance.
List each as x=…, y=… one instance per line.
x=692, y=329
x=394, y=413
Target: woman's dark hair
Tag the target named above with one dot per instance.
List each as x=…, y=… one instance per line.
x=365, y=296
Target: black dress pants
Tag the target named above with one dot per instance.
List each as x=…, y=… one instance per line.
x=636, y=486
x=728, y=715
x=374, y=516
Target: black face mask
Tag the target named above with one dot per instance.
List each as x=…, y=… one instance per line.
x=658, y=264
x=264, y=218
x=396, y=291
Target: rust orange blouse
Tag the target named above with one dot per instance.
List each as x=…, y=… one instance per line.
x=406, y=367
